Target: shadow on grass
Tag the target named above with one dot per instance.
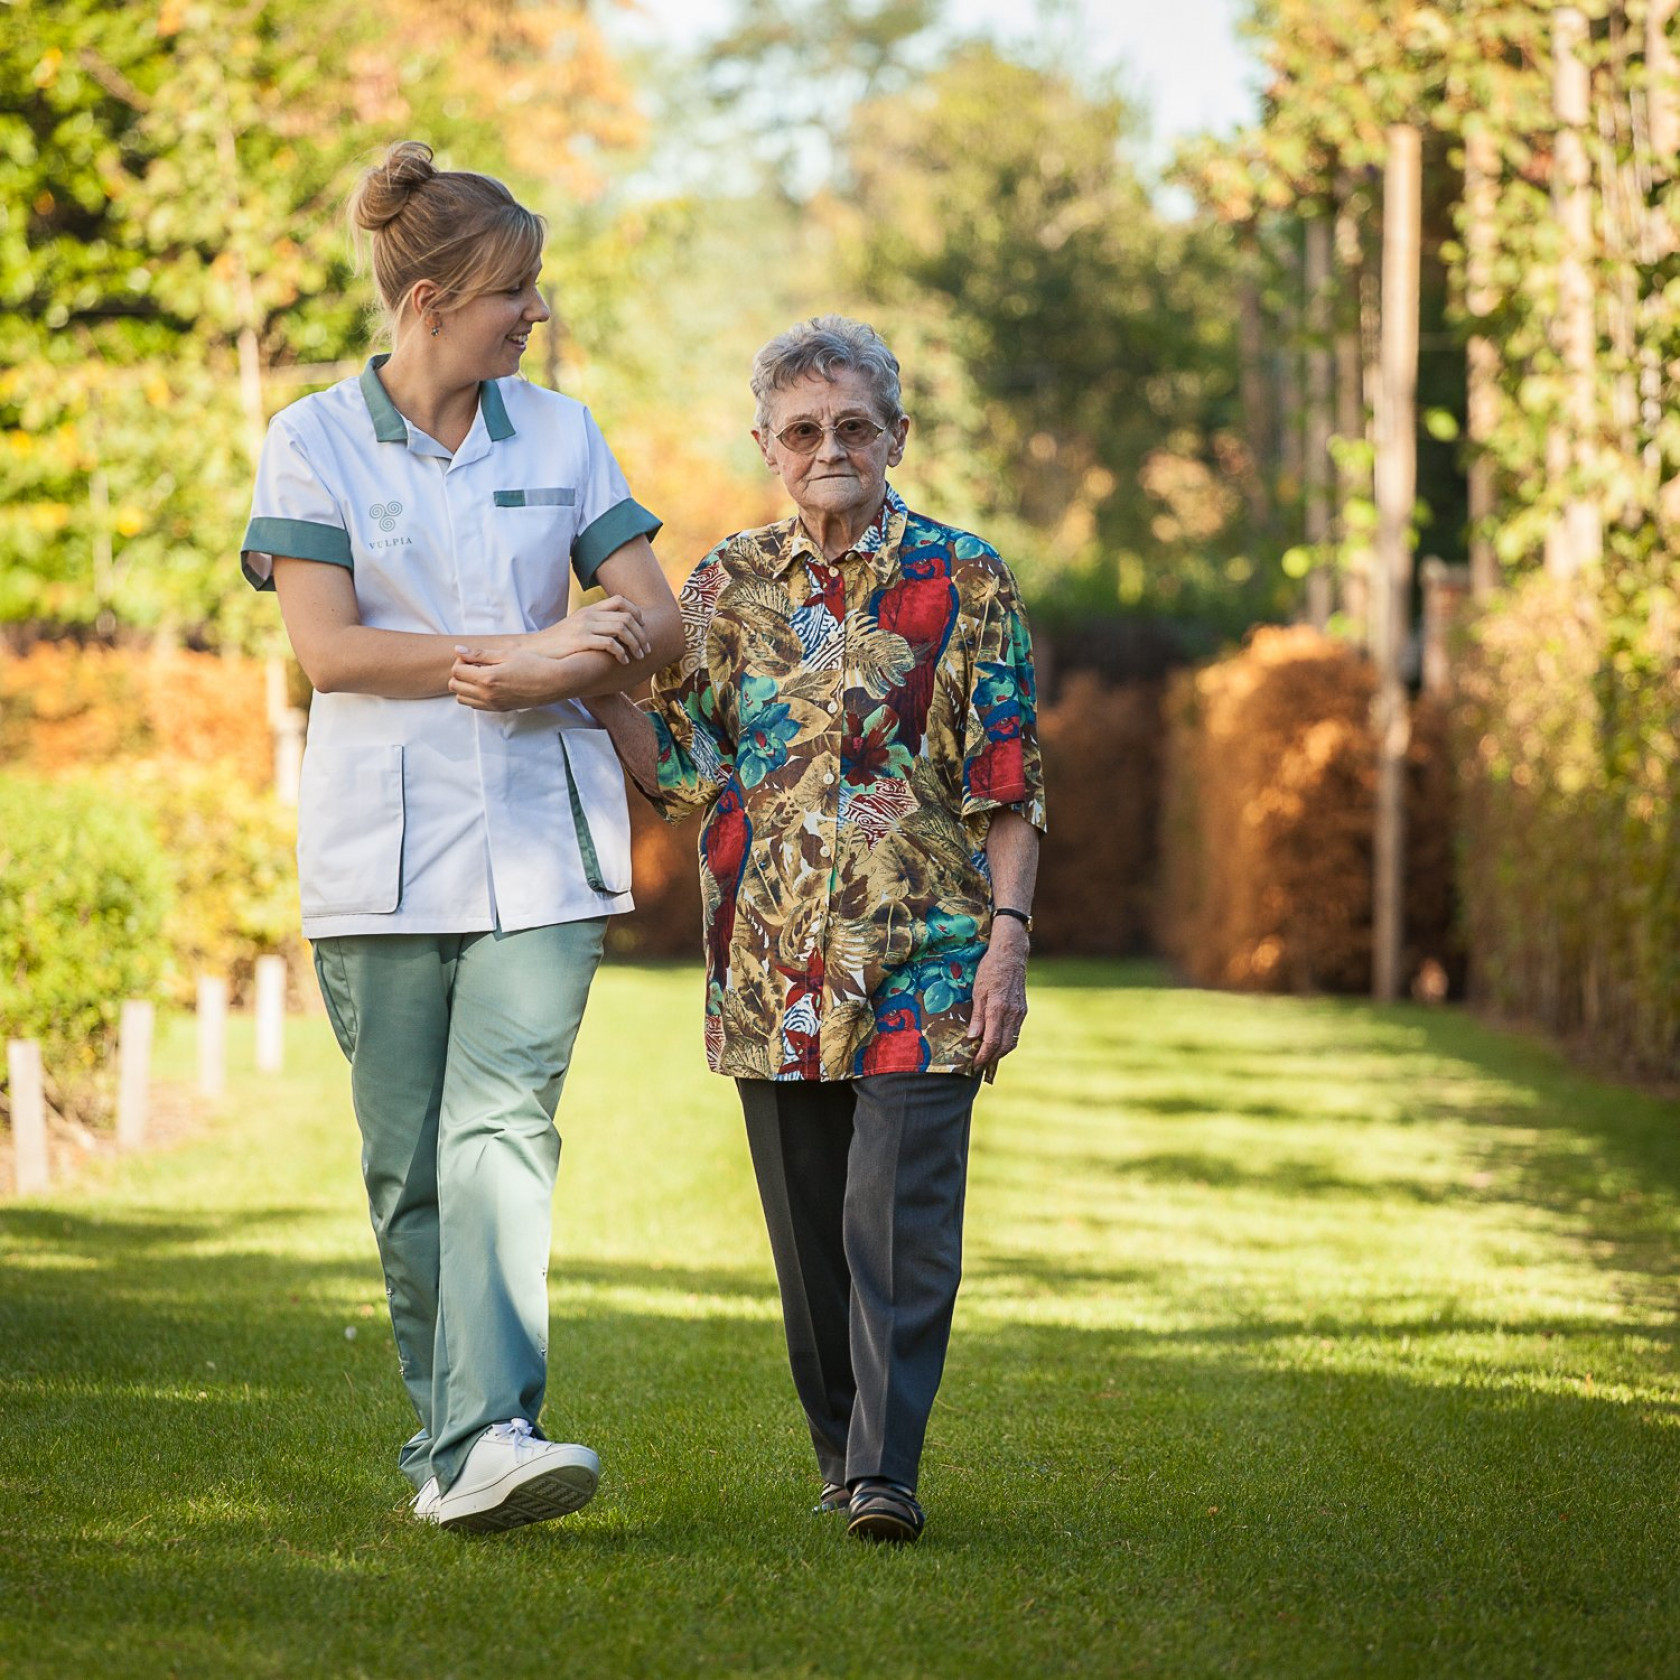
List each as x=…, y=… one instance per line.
x=197, y=1475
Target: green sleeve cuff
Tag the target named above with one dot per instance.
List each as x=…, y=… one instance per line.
x=294, y=539
x=609, y=533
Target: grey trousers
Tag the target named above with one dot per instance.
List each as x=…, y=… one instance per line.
x=862, y=1182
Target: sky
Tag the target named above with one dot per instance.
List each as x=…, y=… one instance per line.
x=1180, y=59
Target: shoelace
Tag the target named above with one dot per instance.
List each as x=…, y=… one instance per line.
x=515, y=1433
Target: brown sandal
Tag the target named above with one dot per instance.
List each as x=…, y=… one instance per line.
x=884, y=1511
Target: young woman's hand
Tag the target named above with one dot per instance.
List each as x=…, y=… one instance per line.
x=611, y=626
x=492, y=681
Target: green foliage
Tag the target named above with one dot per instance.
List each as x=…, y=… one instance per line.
x=1075, y=350
x=84, y=892
x=171, y=178
x=1569, y=864
x=230, y=853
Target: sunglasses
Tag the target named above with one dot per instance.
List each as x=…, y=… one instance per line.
x=804, y=437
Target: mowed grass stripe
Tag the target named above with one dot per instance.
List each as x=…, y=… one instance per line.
x=1298, y=1337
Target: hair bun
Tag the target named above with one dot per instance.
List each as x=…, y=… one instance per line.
x=384, y=190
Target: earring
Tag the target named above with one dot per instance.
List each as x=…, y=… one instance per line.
x=437, y=327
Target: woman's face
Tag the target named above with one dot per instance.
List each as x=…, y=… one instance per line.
x=832, y=482
x=487, y=335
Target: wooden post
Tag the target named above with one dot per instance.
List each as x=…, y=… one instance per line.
x=1320, y=381
x=1251, y=381
x=271, y=1014
x=1396, y=475
x=1291, y=453
x=134, y=1073
x=1662, y=119
x=212, y=1034
x=1481, y=199
x=1662, y=88
x=1576, y=538
x=288, y=755
x=1354, y=560
x=29, y=1116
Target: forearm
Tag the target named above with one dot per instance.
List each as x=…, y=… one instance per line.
x=1012, y=856
x=587, y=676
x=633, y=739
x=393, y=664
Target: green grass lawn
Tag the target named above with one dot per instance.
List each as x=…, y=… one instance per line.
x=1297, y=1338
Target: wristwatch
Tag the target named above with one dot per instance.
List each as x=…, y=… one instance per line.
x=1024, y=917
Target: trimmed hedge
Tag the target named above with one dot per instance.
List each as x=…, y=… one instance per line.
x=1269, y=803
x=85, y=889
x=1102, y=772
x=64, y=707
x=1570, y=858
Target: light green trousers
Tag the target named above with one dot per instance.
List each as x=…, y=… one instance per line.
x=458, y=1047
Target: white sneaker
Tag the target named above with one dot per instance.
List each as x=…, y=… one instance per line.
x=425, y=1502
x=511, y=1478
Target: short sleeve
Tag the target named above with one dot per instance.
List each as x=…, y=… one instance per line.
x=608, y=516
x=1001, y=765
x=696, y=754
x=292, y=511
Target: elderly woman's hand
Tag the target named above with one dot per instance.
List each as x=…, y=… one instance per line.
x=1000, y=994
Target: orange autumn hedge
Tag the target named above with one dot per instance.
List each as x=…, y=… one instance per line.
x=67, y=707
x=1269, y=808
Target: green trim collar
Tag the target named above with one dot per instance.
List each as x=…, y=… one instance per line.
x=494, y=410
x=390, y=427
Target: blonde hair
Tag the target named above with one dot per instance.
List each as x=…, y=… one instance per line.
x=465, y=233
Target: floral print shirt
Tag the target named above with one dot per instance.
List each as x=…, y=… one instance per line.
x=848, y=727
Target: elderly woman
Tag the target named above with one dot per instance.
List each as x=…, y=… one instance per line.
x=854, y=713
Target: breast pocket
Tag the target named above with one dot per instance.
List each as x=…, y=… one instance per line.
x=535, y=528
x=600, y=810
x=350, y=831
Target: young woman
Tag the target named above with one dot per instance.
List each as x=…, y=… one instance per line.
x=462, y=832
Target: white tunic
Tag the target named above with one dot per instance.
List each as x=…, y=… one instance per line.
x=424, y=816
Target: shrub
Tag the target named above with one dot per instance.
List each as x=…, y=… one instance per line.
x=231, y=854
x=1269, y=806
x=1570, y=859
x=63, y=706
x=84, y=892
x=1102, y=774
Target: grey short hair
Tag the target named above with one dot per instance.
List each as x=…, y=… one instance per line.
x=827, y=344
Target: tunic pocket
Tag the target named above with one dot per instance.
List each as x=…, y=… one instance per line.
x=600, y=810
x=350, y=831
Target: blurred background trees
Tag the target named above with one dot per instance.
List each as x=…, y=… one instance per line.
x=1160, y=397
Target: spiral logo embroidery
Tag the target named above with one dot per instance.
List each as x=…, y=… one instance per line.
x=386, y=514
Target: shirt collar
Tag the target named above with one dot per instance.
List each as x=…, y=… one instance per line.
x=879, y=544
x=390, y=427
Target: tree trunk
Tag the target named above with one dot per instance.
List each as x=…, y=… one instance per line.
x=1576, y=538
x=1290, y=452
x=1396, y=480
x=1352, y=421
x=1320, y=382
x=1257, y=419
x=1481, y=197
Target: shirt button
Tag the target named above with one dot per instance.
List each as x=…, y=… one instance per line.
x=825, y=851
x=828, y=778
x=833, y=707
